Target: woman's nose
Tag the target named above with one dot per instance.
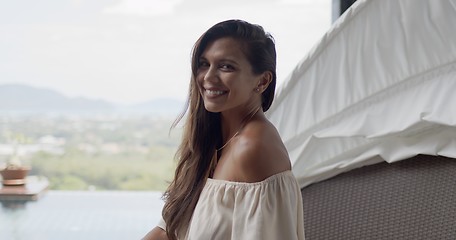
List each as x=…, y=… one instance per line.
x=210, y=74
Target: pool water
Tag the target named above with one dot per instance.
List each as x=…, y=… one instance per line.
x=81, y=215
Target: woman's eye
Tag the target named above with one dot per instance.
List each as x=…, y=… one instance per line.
x=203, y=64
x=226, y=67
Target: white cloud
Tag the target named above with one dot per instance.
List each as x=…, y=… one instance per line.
x=143, y=8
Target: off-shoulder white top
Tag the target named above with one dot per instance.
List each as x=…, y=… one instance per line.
x=266, y=210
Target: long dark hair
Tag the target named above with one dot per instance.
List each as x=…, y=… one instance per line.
x=202, y=129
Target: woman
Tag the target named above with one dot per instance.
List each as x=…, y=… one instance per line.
x=233, y=179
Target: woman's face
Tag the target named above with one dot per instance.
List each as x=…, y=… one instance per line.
x=225, y=77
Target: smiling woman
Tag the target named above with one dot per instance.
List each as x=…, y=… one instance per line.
x=233, y=179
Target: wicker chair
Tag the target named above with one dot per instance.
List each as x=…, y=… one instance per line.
x=410, y=199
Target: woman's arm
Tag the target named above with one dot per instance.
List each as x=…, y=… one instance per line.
x=156, y=234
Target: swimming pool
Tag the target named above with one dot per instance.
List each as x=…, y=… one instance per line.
x=82, y=215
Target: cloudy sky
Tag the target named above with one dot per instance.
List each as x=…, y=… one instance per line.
x=130, y=51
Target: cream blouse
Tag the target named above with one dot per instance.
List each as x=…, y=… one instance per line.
x=266, y=210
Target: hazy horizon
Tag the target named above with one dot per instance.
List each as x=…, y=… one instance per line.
x=131, y=51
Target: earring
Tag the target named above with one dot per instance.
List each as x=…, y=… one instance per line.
x=257, y=89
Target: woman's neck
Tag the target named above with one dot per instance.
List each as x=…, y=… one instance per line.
x=233, y=122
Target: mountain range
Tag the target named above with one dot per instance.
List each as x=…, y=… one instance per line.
x=17, y=98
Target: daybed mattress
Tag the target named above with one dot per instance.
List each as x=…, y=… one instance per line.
x=381, y=82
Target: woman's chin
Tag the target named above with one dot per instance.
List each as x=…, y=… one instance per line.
x=212, y=109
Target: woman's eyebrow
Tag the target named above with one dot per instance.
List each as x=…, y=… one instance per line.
x=224, y=59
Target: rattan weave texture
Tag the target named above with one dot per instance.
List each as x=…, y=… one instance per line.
x=409, y=199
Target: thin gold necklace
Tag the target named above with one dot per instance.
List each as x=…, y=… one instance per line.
x=237, y=132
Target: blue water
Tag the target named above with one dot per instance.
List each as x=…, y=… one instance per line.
x=67, y=215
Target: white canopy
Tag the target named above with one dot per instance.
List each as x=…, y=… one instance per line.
x=381, y=82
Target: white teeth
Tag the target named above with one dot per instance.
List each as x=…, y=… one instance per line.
x=212, y=92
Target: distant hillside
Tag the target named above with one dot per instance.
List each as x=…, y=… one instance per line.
x=15, y=97
x=23, y=98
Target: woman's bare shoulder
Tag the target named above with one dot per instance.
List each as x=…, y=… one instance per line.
x=156, y=234
x=260, y=152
